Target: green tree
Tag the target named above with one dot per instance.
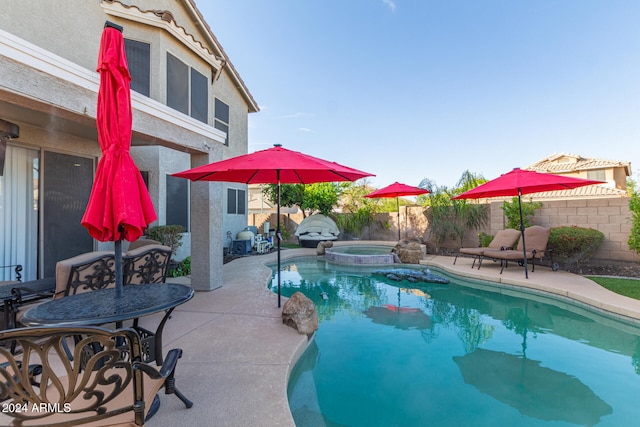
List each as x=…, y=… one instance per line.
x=450, y=218
x=634, y=237
x=512, y=212
x=309, y=198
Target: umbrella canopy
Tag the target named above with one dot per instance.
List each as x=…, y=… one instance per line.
x=396, y=190
x=119, y=206
x=399, y=317
x=519, y=182
x=275, y=165
x=534, y=390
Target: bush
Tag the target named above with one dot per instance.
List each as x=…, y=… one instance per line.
x=634, y=237
x=485, y=239
x=168, y=235
x=574, y=244
x=183, y=268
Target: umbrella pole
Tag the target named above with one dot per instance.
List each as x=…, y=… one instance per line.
x=278, y=233
x=524, y=247
x=118, y=266
x=398, y=209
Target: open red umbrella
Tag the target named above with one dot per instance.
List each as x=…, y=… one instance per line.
x=119, y=206
x=275, y=165
x=396, y=190
x=519, y=182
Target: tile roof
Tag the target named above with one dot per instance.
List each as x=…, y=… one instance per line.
x=565, y=163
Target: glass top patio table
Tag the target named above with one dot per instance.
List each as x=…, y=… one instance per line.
x=101, y=306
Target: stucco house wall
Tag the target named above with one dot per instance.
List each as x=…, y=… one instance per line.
x=48, y=87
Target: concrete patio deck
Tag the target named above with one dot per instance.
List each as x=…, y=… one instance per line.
x=238, y=354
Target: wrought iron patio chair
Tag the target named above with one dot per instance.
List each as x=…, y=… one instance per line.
x=101, y=382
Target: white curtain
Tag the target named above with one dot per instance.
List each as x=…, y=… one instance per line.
x=19, y=213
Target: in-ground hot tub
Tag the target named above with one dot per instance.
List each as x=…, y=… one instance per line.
x=360, y=254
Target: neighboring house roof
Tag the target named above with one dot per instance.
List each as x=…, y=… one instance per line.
x=567, y=163
x=587, y=192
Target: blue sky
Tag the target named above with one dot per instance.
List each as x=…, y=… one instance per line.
x=414, y=89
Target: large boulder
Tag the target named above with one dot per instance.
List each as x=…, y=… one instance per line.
x=300, y=313
x=409, y=252
x=320, y=249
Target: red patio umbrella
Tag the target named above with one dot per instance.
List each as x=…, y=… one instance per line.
x=519, y=182
x=275, y=165
x=119, y=206
x=395, y=190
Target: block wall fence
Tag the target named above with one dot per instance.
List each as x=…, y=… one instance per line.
x=609, y=215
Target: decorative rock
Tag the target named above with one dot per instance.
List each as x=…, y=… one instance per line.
x=322, y=246
x=409, y=252
x=300, y=313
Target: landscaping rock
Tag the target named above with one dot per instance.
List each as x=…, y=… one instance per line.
x=409, y=252
x=300, y=313
x=320, y=249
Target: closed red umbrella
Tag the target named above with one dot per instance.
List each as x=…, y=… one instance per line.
x=119, y=206
x=396, y=190
x=519, y=182
x=275, y=165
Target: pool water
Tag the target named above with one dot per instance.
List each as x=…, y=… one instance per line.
x=464, y=354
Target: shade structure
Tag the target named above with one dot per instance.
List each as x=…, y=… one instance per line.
x=534, y=390
x=119, y=206
x=519, y=182
x=275, y=165
x=396, y=190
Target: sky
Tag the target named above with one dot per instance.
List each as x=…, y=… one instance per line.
x=427, y=89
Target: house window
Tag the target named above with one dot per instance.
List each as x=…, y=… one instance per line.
x=187, y=89
x=597, y=175
x=177, y=202
x=139, y=60
x=236, y=201
x=222, y=118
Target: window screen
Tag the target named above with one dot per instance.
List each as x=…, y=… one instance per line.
x=222, y=118
x=177, y=84
x=177, y=207
x=139, y=60
x=199, y=97
x=231, y=201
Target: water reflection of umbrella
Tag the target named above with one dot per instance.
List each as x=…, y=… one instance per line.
x=519, y=182
x=396, y=190
x=534, y=390
x=275, y=165
x=400, y=317
x=119, y=206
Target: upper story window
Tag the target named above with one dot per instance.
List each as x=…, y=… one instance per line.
x=597, y=175
x=186, y=89
x=222, y=118
x=139, y=60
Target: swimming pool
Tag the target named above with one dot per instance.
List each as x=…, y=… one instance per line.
x=468, y=353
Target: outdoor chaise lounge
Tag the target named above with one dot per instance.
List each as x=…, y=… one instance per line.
x=535, y=239
x=503, y=240
x=99, y=380
x=316, y=228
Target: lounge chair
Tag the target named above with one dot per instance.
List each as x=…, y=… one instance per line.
x=535, y=239
x=503, y=240
x=99, y=380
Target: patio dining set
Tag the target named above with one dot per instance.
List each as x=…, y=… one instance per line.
x=64, y=346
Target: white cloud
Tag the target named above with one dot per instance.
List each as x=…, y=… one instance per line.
x=305, y=130
x=391, y=4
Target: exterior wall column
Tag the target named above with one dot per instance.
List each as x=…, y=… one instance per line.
x=206, y=230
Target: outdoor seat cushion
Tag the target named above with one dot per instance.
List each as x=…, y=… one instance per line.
x=67, y=271
x=536, y=239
